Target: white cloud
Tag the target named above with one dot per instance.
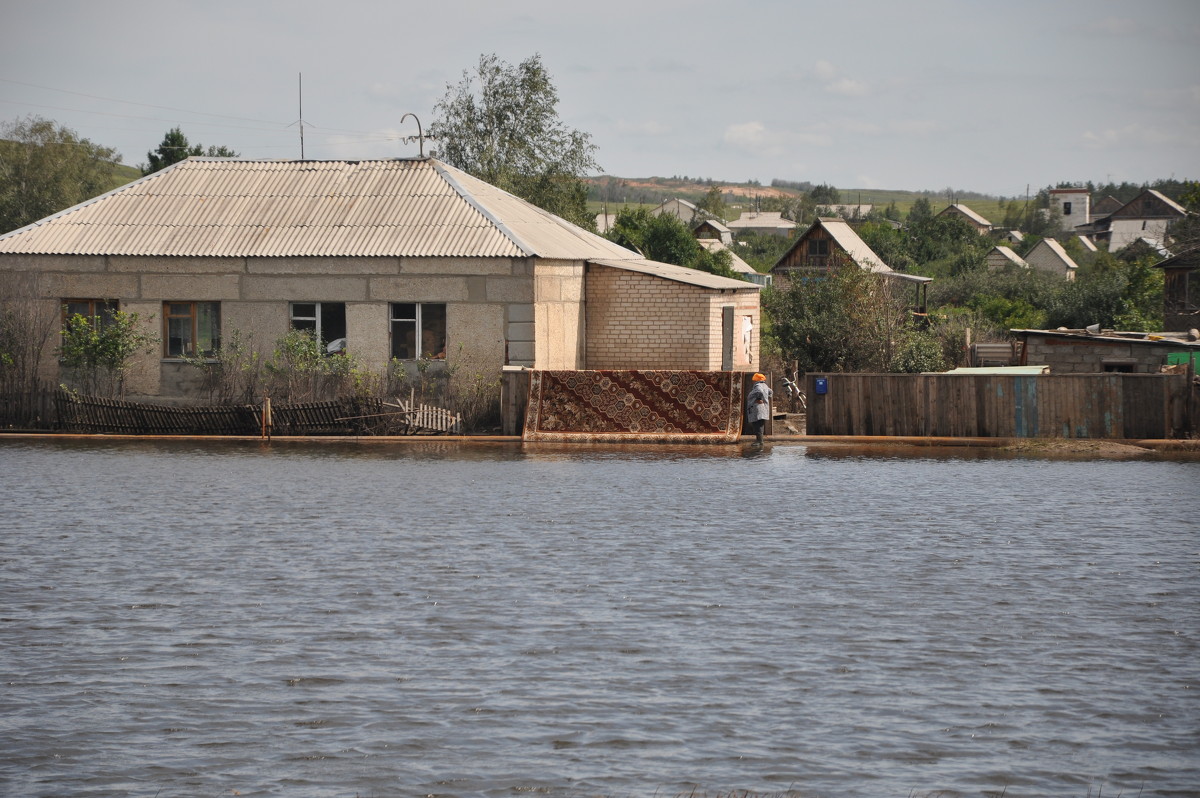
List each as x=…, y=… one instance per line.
x=848, y=87
x=835, y=83
x=825, y=70
x=757, y=139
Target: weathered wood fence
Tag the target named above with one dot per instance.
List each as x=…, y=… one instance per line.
x=66, y=411
x=1003, y=406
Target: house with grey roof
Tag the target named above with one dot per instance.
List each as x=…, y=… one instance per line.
x=398, y=261
x=1002, y=257
x=1148, y=215
x=959, y=211
x=681, y=209
x=1049, y=255
x=828, y=242
x=763, y=222
x=714, y=229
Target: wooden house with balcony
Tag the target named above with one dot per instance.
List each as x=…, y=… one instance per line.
x=828, y=242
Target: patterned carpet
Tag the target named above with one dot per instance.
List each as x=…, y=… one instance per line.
x=634, y=406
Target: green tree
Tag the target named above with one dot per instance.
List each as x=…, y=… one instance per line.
x=713, y=203
x=45, y=168
x=847, y=319
x=825, y=195
x=100, y=349
x=500, y=123
x=175, y=148
x=666, y=239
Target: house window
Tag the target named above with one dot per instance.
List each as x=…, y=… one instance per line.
x=818, y=247
x=191, y=328
x=99, y=311
x=1066, y=209
x=1118, y=366
x=418, y=330
x=327, y=320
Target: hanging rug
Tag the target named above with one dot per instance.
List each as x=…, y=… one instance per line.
x=634, y=406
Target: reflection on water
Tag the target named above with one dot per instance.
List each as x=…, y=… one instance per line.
x=318, y=619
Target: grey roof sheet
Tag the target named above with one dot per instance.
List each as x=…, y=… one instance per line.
x=680, y=274
x=237, y=208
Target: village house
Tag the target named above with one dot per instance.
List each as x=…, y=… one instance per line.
x=713, y=229
x=738, y=265
x=1071, y=206
x=818, y=249
x=399, y=261
x=1002, y=257
x=762, y=222
x=681, y=209
x=980, y=224
x=1049, y=255
x=1181, y=291
x=1148, y=215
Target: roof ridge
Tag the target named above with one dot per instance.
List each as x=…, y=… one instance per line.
x=443, y=169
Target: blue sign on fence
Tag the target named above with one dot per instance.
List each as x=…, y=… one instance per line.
x=821, y=385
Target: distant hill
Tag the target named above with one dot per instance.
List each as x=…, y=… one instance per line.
x=620, y=191
x=124, y=174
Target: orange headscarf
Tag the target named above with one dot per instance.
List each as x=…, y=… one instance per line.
x=758, y=377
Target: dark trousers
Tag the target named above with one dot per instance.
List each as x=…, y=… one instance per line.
x=758, y=427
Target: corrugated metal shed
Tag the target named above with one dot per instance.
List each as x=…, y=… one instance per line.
x=235, y=208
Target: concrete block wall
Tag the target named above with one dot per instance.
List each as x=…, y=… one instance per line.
x=1082, y=357
x=255, y=294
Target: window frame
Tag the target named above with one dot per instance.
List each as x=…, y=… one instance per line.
x=193, y=315
x=420, y=326
x=100, y=311
x=318, y=322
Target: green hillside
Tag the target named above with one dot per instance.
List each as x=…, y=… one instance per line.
x=617, y=192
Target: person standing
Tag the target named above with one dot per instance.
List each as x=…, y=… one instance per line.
x=758, y=406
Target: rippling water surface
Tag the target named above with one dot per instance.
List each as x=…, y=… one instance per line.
x=403, y=620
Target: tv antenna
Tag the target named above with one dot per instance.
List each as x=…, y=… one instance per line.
x=420, y=137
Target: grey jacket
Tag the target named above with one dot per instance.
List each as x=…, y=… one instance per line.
x=758, y=402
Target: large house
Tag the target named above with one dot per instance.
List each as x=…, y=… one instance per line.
x=826, y=241
x=404, y=260
x=1148, y=215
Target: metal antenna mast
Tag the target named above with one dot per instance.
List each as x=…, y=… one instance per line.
x=301, y=86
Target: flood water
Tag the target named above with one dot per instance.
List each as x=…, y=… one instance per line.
x=183, y=619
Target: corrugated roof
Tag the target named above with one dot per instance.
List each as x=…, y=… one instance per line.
x=1007, y=252
x=235, y=208
x=764, y=219
x=680, y=274
x=735, y=263
x=967, y=212
x=1057, y=249
x=855, y=247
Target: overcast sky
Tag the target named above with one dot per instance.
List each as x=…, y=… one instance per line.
x=924, y=94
